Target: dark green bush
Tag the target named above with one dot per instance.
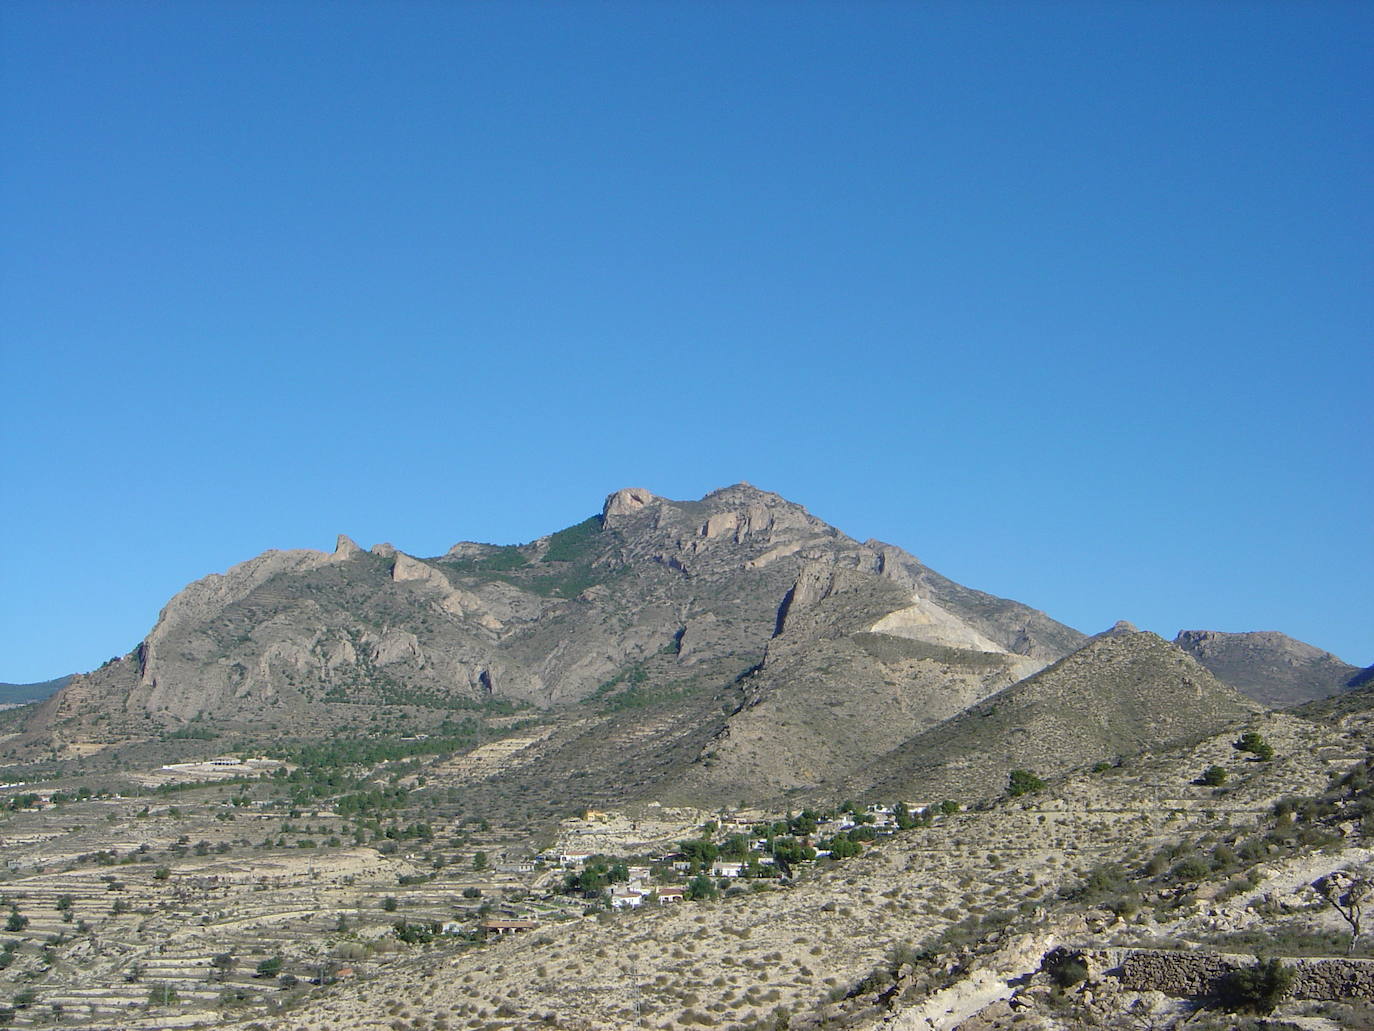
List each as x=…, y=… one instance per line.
x=1070, y=973
x=1193, y=868
x=1022, y=782
x=1258, y=988
x=1251, y=741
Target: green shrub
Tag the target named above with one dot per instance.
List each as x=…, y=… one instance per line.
x=1251, y=741
x=1193, y=868
x=162, y=994
x=1213, y=776
x=1069, y=973
x=1105, y=879
x=1258, y=988
x=1022, y=782
x=1065, y=967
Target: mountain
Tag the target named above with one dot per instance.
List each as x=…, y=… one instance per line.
x=19, y=694
x=1123, y=692
x=651, y=598
x=730, y=649
x=1270, y=667
x=658, y=623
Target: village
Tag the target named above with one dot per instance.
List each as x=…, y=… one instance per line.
x=210, y=886
x=726, y=853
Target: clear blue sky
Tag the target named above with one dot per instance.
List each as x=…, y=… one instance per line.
x=1073, y=301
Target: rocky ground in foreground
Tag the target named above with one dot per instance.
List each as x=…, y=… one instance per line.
x=946, y=926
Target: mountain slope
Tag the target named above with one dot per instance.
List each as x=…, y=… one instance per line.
x=1121, y=693
x=857, y=665
x=1270, y=667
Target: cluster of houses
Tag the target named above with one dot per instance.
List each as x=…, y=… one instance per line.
x=645, y=884
x=641, y=887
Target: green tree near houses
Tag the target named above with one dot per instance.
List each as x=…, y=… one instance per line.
x=700, y=852
x=701, y=887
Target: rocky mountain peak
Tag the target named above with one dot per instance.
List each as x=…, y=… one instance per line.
x=627, y=501
x=1215, y=641
x=345, y=547
x=746, y=494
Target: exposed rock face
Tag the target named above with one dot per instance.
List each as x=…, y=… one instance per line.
x=1270, y=667
x=623, y=502
x=345, y=548
x=923, y=620
x=1016, y=627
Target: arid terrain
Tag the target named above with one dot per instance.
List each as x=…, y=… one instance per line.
x=687, y=764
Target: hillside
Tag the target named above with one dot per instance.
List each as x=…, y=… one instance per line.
x=507, y=732
x=1270, y=667
x=1123, y=692
x=960, y=918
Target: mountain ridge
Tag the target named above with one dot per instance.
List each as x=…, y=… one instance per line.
x=1270, y=666
x=727, y=648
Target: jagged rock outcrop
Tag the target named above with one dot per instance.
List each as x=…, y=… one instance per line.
x=345, y=548
x=623, y=502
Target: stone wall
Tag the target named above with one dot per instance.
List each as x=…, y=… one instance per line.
x=1198, y=973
